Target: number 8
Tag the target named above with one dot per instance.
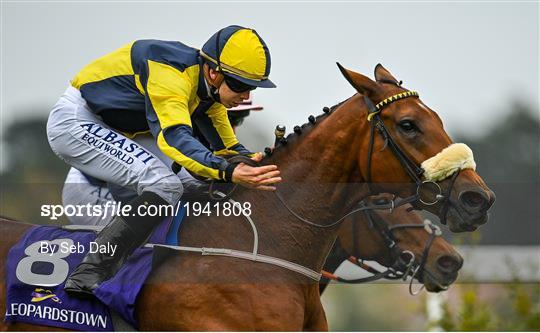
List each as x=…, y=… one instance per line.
x=60, y=271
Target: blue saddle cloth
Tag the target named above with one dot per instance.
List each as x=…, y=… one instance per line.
x=36, y=273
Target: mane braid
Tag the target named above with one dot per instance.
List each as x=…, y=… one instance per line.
x=308, y=125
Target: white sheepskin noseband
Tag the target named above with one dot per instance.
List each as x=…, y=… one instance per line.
x=457, y=156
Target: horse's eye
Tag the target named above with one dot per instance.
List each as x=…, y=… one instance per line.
x=407, y=126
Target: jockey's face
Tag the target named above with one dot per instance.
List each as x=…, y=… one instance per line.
x=230, y=98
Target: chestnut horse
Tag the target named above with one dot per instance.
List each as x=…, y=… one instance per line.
x=325, y=176
x=369, y=240
x=399, y=240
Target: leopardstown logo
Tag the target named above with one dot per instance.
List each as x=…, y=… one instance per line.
x=40, y=295
x=40, y=303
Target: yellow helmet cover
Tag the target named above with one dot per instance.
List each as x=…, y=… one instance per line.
x=240, y=53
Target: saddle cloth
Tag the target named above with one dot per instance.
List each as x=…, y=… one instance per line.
x=39, y=263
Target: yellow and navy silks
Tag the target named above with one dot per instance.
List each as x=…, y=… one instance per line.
x=159, y=86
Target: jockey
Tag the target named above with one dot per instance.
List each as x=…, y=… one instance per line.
x=161, y=87
x=80, y=189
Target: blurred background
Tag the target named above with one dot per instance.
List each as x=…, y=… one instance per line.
x=475, y=63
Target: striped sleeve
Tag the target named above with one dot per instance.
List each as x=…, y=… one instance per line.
x=168, y=91
x=225, y=141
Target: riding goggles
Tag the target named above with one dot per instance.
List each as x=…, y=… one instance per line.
x=238, y=86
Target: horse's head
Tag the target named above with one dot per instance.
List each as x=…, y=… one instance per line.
x=404, y=240
x=407, y=141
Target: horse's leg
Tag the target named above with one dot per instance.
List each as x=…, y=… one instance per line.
x=11, y=233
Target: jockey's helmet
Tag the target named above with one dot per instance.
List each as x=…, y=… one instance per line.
x=241, y=55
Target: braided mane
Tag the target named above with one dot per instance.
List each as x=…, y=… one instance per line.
x=306, y=127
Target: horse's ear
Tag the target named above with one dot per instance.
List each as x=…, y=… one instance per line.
x=383, y=75
x=361, y=83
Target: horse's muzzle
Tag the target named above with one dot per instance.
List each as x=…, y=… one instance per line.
x=443, y=272
x=476, y=201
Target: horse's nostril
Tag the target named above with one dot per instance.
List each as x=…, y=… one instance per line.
x=474, y=199
x=449, y=263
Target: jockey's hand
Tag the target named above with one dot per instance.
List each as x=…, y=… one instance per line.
x=260, y=178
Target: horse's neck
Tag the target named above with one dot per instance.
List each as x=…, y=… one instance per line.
x=319, y=184
x=319, y=173
x=320, y=167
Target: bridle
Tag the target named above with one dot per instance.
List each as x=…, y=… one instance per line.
x=403, y=261
x=414, y=171
x=404, y=264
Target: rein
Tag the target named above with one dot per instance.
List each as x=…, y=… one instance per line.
x=254, y=255
x=412, y=169
x=362, y=206
x=401, y=268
